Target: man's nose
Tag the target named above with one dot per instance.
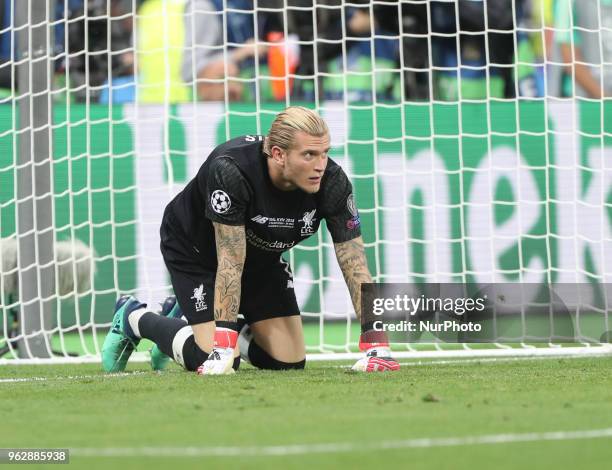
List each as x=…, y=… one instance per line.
x=320, y=165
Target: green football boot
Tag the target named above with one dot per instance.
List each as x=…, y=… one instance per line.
x=120, y=341
x=170, y=309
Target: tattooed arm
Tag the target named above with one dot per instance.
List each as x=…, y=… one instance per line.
x=352, y=260
x=374, y=343
x=231, y=253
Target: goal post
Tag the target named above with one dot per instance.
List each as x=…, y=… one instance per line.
x=34, y=194
x=463, y=171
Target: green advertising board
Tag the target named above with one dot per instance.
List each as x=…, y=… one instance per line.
x=501, y=191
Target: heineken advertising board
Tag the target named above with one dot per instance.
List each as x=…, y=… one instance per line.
x=476, y=192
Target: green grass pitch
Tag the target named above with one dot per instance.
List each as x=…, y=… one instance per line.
x=322, y=417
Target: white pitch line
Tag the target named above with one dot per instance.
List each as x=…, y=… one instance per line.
x=338, y=366
x=69, y=377
x=473, y=361
x=338, y=447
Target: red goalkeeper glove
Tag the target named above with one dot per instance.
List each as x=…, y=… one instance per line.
x=221, y=359
x=377, y=353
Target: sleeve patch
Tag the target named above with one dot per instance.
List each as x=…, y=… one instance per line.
x=220, y=201
x=350, y=205
x=353, y=222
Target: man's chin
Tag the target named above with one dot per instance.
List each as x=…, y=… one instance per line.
x=312, y=189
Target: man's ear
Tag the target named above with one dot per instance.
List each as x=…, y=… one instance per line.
x=278, y=155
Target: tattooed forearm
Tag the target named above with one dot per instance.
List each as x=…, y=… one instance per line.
x=352, y=260
x=231, y=253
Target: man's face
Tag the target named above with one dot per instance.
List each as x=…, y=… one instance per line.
x=306, y=161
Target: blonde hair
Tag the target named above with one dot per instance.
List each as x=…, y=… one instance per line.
x=291, y=120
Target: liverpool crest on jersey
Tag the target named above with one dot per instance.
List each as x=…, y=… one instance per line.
x=308, y=220
x=198, y=296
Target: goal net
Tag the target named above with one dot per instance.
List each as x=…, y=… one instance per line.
x=477, y=136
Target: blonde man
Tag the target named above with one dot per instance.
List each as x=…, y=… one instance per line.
x=222, y=240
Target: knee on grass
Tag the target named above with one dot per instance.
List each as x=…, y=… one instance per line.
x=260, y=358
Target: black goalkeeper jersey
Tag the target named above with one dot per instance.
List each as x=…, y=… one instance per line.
x=233, y=187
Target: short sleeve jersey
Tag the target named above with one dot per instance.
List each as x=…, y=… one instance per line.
x=233, y=187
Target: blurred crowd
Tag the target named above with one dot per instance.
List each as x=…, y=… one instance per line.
x=179, y=50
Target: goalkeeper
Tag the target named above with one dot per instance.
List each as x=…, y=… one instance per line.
x=222, y=240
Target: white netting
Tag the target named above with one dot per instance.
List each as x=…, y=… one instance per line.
x=475, y=136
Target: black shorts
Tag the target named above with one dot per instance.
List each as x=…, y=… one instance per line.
x=266, y=293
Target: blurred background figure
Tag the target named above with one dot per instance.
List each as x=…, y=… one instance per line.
x=319, y=29
x=541, y=22
x=370, y=69
x=367, y=34
x=207, y=62
x=6, y=72
x=270, y=50
x=482, y=61
x=583, y=31
x=411, y=22
x=63, y=11
x=160, y=42
x=98, y=34
x=120, y=87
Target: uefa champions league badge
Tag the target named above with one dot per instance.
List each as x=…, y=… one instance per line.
x=220, y=201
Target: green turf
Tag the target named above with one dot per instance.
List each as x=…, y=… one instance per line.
x=322, y=404
x=336, y=334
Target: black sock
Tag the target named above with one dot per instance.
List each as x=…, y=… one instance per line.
x=261, y=359
x=193, y=356
x=162, y=331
